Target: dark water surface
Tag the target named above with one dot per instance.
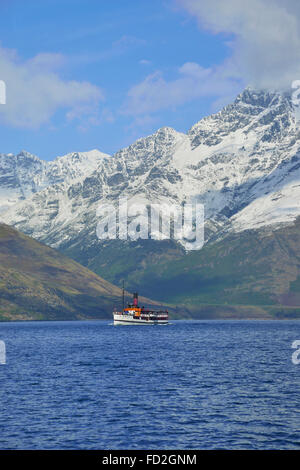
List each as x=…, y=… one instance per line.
x=188, y=385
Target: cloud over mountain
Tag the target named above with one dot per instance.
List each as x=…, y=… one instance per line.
x=193, y=81
x=264, y=37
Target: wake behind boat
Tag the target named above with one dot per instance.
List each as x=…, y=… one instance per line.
x=133, y=314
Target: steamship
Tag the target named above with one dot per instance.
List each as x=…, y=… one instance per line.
x=134, y=314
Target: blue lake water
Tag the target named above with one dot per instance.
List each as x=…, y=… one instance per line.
x=187, y=385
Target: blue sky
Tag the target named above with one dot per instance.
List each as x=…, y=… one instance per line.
x=84, y=74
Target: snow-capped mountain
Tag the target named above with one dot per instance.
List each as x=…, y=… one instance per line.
x=242, y=163
x=24, y=174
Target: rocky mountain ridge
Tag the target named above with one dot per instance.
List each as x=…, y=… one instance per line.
x=242, y=164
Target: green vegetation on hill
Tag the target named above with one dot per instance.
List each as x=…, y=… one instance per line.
x=253, y=274
x=247, y=274
x=38, y=283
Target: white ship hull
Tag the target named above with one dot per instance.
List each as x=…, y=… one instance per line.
x=120, y=319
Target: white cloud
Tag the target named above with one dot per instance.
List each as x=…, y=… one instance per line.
x=145, y=62
x=264, y=43
x=266, y=37
x=193, y=82
x=35, y=91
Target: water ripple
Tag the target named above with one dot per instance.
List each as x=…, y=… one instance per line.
x=198, y=384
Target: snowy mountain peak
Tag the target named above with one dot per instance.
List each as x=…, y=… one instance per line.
x=260, y=98
x=25, y=174
x=242, y=163
x=157, y=146
x=268, y=112
x=94, y=154
x=24, y=154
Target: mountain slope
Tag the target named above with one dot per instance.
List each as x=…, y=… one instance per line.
x=37, y=282
x=227, y=161
x=24, y=174
x=242, y=163
x=258, y=268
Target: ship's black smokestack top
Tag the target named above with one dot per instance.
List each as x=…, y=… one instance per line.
x=135, y=299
